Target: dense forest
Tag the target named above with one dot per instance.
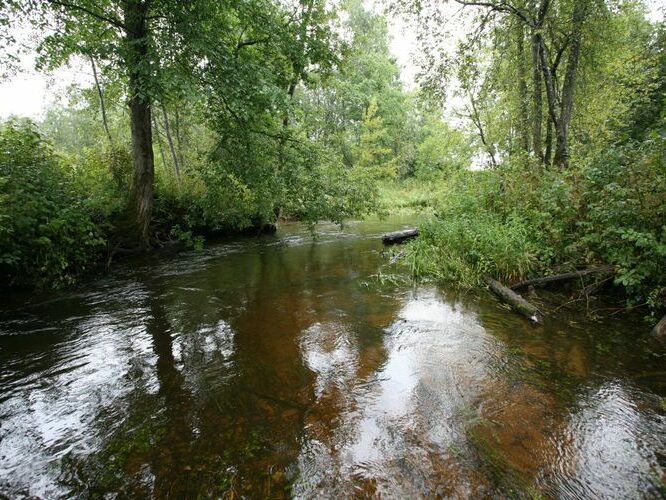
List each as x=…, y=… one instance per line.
x=534, y=144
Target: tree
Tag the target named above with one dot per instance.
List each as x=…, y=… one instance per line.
x=163, y=49
x=366, y=72
x=119, y=33
x=372, y=152
x=556, y=32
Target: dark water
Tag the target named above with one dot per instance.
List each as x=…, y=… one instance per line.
x=280, y=367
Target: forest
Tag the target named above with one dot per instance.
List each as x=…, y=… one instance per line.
x=532, y=140
x=198, y=298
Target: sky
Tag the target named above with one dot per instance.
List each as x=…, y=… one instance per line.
x=29, y=92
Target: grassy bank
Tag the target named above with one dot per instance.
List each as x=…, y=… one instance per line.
x=409, y=196
x=521, y=221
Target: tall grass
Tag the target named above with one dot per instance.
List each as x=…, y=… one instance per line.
x=522, y=220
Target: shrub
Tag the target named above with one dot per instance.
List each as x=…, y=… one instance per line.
x=466, y=240
x=46, y=234
x=520, y=220
x=625, y=224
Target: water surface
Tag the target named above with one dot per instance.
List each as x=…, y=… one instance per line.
x=285, y=367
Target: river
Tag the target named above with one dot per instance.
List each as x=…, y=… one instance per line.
x=287, y=366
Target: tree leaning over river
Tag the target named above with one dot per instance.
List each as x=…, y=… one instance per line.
x=162, y=50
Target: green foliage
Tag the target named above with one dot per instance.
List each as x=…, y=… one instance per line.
x=606, y=205
x=190, y=241
x=406, y=196
x=625, y=191
x=372, y=152
x=102, y=178
x=519, y=221
x=320, y=188
x=442, y=150
x=46, y=233
x=468, y=238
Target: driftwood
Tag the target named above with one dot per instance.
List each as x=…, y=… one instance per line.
x=514, y=300
x=399, y=236
x=562, y=277
x=659, y=330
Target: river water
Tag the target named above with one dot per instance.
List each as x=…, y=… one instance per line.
x=284, y=366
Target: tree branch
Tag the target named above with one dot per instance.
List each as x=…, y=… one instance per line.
x=558, y=56
x=500, y=7
x=247, y=43
x=96, y=15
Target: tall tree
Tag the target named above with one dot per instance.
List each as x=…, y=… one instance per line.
x=120, y=34
x=557, y=30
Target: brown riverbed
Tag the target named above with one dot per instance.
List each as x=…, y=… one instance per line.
x=284, y=367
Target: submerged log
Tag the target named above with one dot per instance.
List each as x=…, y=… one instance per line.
x=659, y=330
x=399, y=236
x=517, y=302
x=562, y=277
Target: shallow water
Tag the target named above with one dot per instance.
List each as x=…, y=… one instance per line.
x=282, y=366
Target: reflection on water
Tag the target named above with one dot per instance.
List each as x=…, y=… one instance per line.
x=278, y=367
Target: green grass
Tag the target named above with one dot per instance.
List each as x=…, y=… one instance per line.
x=405, y=197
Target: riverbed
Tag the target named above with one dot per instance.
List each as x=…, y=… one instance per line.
x=293, y=366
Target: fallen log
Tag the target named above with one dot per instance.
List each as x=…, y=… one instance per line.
x=562, y=277
x=517, y=302
x=659, y=330
x=399, y=236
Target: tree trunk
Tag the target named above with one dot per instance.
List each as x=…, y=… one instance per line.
x=101, y=101
x=136, y=59
x=561, y=127
x=517, y=302
x=160, y=147
x=399, y=236
x=179, y=138
x=561, y=158
x=548, y=153
x=476, y=119
x=523, y=104
x=537, y=101
x=144, y=166
x=170, y=141
x=564, y=277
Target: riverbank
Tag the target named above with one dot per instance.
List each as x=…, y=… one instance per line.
x=518, y=222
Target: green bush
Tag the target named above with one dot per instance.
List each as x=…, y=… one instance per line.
x=520, y=221
x=625, y=223
x=46, y=234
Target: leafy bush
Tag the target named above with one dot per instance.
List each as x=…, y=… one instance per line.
x=443, y=151
x=46, y=234
x=520, y=221
x=318, y=186
x=625, y=224
x=102, y=178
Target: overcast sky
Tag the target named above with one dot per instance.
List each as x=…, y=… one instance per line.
x=29, y=92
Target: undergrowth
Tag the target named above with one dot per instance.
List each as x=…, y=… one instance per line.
x=521, y=220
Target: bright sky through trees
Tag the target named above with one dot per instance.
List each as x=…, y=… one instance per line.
x=29, y=92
